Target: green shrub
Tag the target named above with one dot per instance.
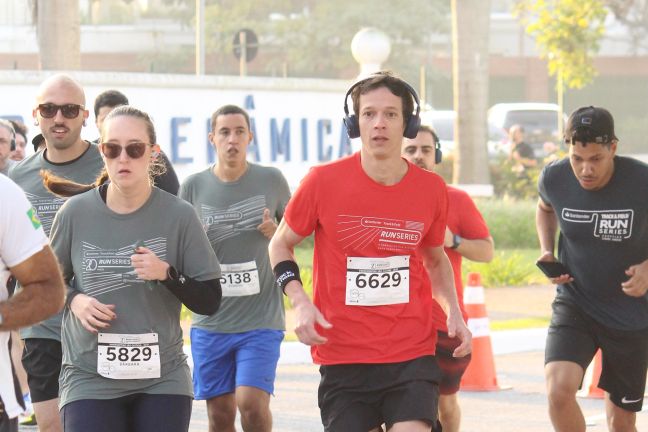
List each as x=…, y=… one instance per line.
x=511, y=222
x=508, y=268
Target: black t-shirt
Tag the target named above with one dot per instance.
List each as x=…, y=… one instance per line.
x=602, y=233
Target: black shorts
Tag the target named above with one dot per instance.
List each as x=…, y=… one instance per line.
x=360, y=397
x=42, y=361
x=451, y=367
x=574, y=336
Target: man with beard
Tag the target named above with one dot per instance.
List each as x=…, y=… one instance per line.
x=465, y=236
x=60, y=113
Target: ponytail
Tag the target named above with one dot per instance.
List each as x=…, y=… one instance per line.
x=66, y=188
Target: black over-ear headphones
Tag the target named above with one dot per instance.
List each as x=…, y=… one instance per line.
x=438, y=154
x=411, y=125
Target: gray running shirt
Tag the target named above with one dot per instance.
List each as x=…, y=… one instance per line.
x=94, y=245
x=230, y=213
x=26, y=174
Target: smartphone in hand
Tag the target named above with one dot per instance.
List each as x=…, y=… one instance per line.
x=552, y=269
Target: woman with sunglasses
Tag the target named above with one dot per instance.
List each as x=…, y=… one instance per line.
x=132, y=253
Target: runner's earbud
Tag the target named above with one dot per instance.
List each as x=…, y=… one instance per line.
x=411, y=125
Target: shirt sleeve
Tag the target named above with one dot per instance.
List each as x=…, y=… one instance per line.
x=436, y=234
x=542, y=190
x=303, y=208
x=197, y=258
x=283, y=194
x=61, y=240
x=472, y=226
x=21, y=232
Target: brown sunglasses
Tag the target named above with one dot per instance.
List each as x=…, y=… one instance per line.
x=134, y=150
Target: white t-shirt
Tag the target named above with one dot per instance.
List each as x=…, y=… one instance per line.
x=21, y=233
x=21, y=236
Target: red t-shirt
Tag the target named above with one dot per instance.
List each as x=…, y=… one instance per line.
x=353, y=216
x=464, y=219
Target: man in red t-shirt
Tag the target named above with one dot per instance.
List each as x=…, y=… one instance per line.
x=378, y=245
x=465, y=236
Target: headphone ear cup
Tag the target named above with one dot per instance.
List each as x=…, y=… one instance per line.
x=438, y=155
x=412, y=128
x=352, y=126
x=13, y=144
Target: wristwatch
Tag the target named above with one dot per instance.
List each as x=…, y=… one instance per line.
x=456, y=241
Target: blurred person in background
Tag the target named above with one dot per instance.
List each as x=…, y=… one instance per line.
x=21, y=140
x=520, y=153
x=7, y=145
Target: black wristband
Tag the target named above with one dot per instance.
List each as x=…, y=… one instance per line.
x=285, y=272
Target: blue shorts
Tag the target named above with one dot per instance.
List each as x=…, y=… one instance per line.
x=224, y=361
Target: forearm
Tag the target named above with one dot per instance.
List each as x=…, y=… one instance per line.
x=442, y=279
x=201, y=297
x=32, y=304
x=478, y=250
x=546, y=226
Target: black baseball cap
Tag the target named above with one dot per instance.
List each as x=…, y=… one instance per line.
x=590, y=125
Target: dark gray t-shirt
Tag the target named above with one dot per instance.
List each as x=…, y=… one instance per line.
x=230, y=213
x=94, y=245
x=26, y=174
x=602, y=233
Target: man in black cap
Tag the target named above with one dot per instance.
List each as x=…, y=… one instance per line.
x=598, y=200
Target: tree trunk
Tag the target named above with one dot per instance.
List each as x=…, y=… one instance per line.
x=470, y=29
x=58, y=28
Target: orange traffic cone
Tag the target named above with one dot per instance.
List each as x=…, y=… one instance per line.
x=590, y=388
x=480, y=374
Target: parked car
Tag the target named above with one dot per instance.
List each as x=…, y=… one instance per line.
x=539, y=120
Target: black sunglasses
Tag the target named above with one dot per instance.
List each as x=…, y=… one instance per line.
x=69, y=111
x=133, y=150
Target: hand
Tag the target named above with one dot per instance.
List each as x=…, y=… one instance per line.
x=457, y=328
x=148, y=266
x=637, y=285
x=268, y=226
x=562, y=279
x=93, y=314
x=307, y=315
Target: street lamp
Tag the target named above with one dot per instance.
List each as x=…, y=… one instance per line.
x=370, y=48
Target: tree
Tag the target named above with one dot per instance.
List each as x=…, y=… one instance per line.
x=313, y=38
x=567, y=33
x=634, y=15
x=58, y=31
x=470, y=29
